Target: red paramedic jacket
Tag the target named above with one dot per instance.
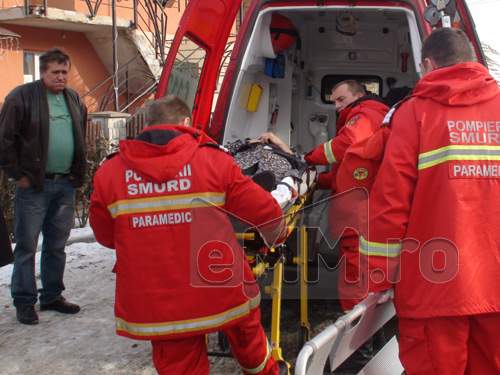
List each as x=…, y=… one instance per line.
x=362, y=162
x=179, y=271
x=438, y=189
x=357, y=121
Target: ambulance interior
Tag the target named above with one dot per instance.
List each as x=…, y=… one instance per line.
x=376, y=45
x=379, y=47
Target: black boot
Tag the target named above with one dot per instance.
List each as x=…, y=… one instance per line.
x=26, y=315
x=379, y=340
x=283, y=368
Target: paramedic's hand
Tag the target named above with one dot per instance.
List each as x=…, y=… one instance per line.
x=326, y=180
x=270, y=138
x=386, y=296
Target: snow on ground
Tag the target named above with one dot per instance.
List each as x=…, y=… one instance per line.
x=86, y=343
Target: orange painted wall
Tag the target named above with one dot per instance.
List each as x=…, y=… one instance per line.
x=124, y=9
x=87, y=70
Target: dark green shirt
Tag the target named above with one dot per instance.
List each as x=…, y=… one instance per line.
x=61, y=142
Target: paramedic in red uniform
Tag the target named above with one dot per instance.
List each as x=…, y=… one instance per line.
x=360, y=115
x=438, y=189
x=145, y=204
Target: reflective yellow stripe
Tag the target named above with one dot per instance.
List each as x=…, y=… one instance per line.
x=262, y=365
x=165, y=203
x=275, y=232
x=168, y=328
x=457, y=152
x=329, y=153
x=380, y=249
x=283, y=234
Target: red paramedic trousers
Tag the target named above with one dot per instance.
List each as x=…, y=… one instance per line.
x=454, y=345
x=350, y=287
x=188, y=356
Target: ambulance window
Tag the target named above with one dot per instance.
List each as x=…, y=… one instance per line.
x=186, y=72
x=372, y=84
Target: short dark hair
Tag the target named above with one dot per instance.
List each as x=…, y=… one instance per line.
x=168, y=110
x=353, y=86
x=54, y=54
x=447, y=46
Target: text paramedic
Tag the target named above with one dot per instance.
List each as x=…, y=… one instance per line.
x=161, y=219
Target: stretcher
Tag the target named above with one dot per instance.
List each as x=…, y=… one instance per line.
x=271, y=262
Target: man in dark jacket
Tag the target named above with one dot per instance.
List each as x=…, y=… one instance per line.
x=42, y=147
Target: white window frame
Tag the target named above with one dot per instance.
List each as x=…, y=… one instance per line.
x=36, y=66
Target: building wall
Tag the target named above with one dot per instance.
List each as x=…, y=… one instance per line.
x=246, y=5
x=124, y=9
x=87, y=70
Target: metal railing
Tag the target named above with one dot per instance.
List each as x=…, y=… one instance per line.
x=34, y=7
x=128, y=73
x=156, y=35
x=38, y=7
x=136, y=124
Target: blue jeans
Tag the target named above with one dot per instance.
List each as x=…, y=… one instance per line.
x=52, y=213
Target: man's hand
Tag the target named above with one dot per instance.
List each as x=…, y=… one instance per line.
x=23, y=182
x=386, y=296
x=270, y=138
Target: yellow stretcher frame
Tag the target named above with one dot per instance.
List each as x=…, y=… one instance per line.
x=294, y=219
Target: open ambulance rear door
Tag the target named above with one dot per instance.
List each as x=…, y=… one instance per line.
x=192, y=66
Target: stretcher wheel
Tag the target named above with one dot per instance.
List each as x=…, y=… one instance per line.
x=222, y=341
x=303, y=336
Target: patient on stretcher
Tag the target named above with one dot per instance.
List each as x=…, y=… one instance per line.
x=276, y=169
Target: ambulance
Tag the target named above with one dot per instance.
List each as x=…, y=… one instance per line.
x=287, y=56
x=277, y=74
